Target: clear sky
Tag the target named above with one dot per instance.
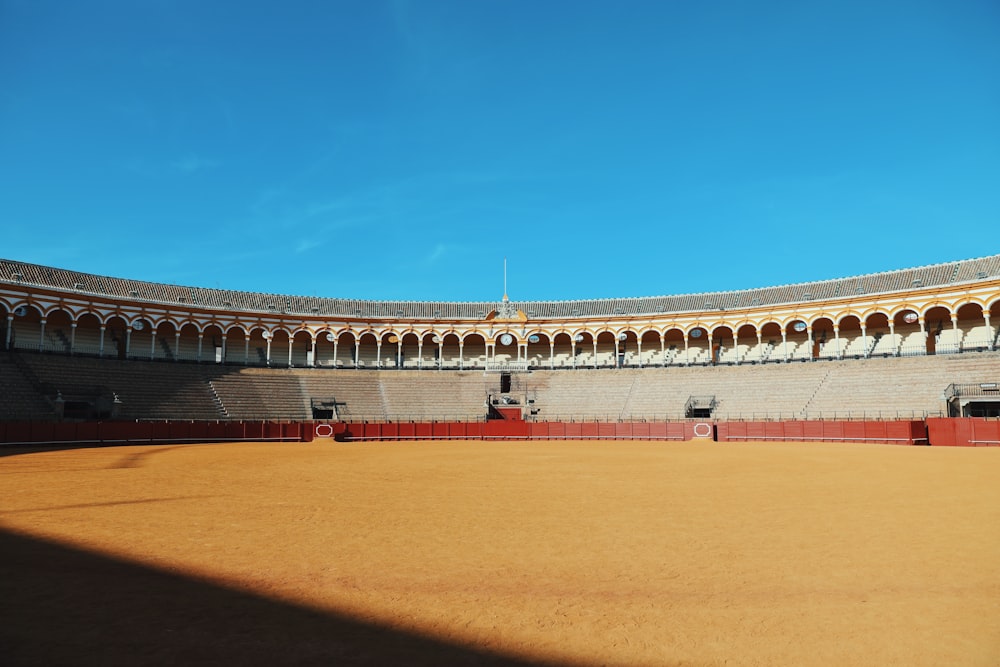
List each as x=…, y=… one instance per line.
x=400, y=150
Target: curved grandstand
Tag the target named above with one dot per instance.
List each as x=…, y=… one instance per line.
x=885, y=345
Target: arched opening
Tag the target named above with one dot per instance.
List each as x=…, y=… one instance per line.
x=650, y=353
x=770, y=343
x=976, y=335
x=910, y=336
x=411, y=349
x=260, y=345
x=58, y=332
x=746, y=342
x=881, y=343
x=673, y=348
x=451, y=356
x=345, y=347
x=823, y=345
x=301, y=348
x=583, y=346
x=115, y=337
x=539, y=351
x=505, y=348
x=389, y=351
x=26, y=328
x=852, y=342
x=942, y=337
x=723, y=349
x=211, y=345
x=627, y=353
x=237, y=346
x=186, y=343
x=796, y=346
x=281, y=349
x=367, y=353
x=87, y=340
x=474, y=351
x=698, y=353
x=139, y=339
x=562, y=350
x=166, y=335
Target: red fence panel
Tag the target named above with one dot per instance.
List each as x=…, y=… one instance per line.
x=963, y=432
x=606, y=431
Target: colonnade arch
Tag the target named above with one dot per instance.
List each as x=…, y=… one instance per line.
x=906, y=327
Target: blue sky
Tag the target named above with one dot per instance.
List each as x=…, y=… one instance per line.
x=400, y=150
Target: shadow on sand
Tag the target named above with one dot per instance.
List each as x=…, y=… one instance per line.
x=63, y=606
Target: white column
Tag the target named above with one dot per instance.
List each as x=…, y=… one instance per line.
x=461, y=354
x=595, y=351
x=177, y=345
x=687, y=351
x=72, y=336
x=784, y=343
x=223, y=348
x=41, y=336
x=711, y=350
x=399, y=352
x=152, y=344
x=100, y=347
x=986, y=316
x=246, y=349
x=572, y=352
x=638, y=347
x=552, y=354
x=128, y=341
x=289, y=351
x=267, y=359
x=895, y=343
x=954, y=327
x=836, y=338
x=864, y=339
x=809, y=334
x=10, y=329
x=378, y=353
x=420, y=353
x=760, y=347
x=201, y=338
x=312, y=360
x=440, y=363
x=663, y=351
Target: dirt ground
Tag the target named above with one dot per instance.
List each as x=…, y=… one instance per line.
x=569, y=553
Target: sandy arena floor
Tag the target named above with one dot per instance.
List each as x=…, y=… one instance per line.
x=489, y=553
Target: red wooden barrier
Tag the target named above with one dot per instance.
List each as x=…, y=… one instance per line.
x=963, y=432
x=896, y=432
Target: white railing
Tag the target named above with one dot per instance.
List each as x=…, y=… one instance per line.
x=507, y=366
